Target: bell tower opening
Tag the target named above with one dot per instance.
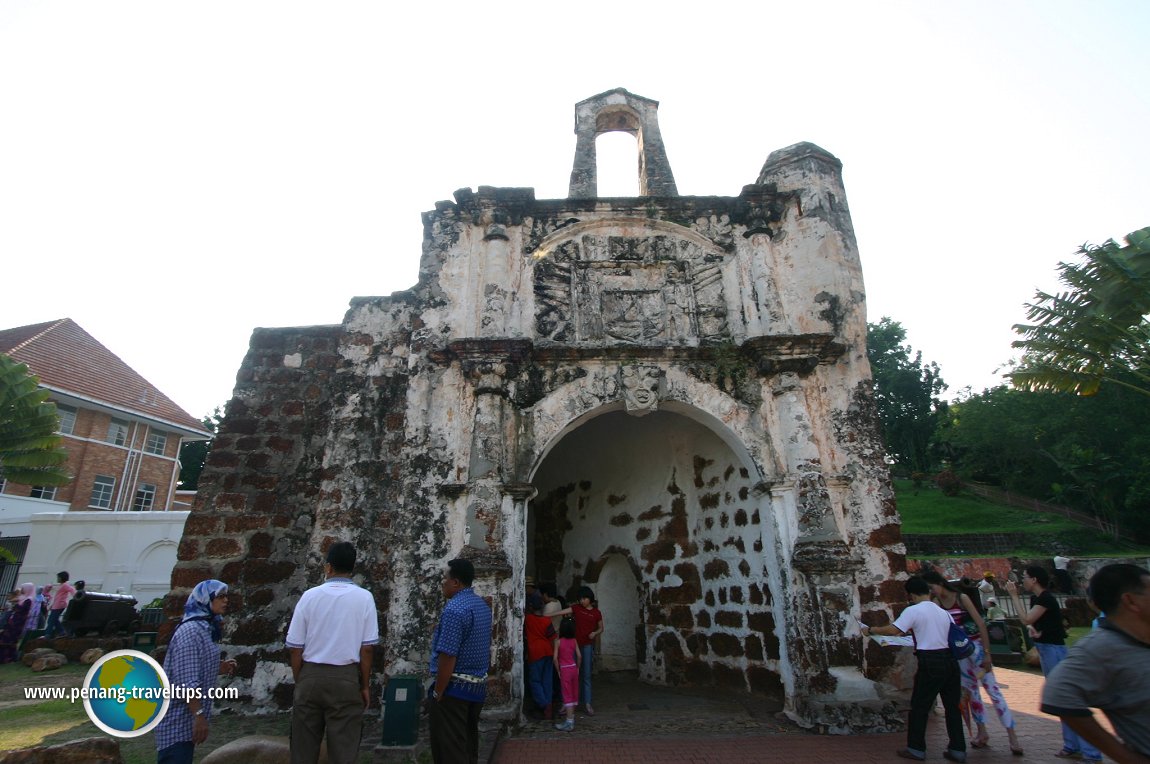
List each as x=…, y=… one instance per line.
x=617, y=164
x=620, y=111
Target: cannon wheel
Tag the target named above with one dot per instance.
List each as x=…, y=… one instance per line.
x=134, y=626
x=111, y=628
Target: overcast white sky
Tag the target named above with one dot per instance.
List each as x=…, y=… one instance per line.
x=174, y=174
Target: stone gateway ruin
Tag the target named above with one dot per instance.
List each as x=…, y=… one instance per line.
x=664, y=397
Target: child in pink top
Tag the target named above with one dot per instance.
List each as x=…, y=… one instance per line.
x=567, y=663
x=58, y=602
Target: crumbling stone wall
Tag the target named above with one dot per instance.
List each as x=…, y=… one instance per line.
x=424, y=427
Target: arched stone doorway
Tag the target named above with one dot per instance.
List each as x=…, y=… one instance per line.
x=660, y=517
x=617, y=590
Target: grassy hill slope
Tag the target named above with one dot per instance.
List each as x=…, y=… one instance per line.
x=928, y=510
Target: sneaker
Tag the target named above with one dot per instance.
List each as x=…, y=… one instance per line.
x=566, y=726
x=1066, y=753
x=958, y=757
x=906, y=753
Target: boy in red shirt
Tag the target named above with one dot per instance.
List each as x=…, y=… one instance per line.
x=540, y=634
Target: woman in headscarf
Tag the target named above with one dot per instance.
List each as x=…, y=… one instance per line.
x=193, y=663
x=33, y=621
x=14, y=629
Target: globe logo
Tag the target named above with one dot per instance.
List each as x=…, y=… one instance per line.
x=126, y=693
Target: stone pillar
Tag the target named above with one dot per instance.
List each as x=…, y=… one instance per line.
x=823, y=593
x=495, y=535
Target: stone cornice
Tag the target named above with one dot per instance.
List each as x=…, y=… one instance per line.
x=769, y=355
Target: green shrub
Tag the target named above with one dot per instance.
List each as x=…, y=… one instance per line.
x=948, y=482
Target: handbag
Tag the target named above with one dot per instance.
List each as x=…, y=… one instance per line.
x=961, y=644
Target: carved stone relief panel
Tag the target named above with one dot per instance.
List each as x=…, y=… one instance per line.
x=641, y=389
x=630, y=290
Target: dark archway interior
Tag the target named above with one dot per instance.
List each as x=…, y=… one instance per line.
x=657, y=514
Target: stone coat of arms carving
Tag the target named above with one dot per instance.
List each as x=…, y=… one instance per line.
x=630, y=290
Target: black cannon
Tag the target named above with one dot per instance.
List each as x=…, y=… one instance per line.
x=101, y=614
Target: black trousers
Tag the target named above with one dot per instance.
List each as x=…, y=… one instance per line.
x=937, y=675
x=454, y=731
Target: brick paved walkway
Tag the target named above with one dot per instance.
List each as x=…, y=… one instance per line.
x=628, y=738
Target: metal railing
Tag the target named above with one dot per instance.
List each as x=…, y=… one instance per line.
x=1026, y=502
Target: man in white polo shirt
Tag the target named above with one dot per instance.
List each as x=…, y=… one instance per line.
x=331, y=637
x=937, y=674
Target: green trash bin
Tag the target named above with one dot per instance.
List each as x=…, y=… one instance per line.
x=401, y=700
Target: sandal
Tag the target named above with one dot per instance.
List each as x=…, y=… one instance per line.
x=1066, y=753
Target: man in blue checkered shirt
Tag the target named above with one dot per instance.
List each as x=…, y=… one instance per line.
x=460, y=654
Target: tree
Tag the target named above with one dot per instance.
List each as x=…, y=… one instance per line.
x=906, y=391
x=30, y=451
x=194, y=453
x=1095, y=331
x=1089, y=452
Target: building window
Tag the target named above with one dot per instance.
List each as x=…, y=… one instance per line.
x=118, y=432
x=43, y=492
x=67, y=416
x=102, y=490
x=157, y=442
x=145, y=497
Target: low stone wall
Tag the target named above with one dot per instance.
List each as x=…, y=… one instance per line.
x=1074, y=604
x=92, y=750
x=73, y=647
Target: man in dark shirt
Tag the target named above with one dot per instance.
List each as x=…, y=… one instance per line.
x=1109, y=668
x=1045, y=621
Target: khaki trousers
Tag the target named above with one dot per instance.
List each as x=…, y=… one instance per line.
x=327, y=700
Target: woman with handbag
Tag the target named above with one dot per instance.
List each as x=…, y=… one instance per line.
x=977, y=668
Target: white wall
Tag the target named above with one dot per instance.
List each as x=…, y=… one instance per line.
x=133, y=551
x=16, y=512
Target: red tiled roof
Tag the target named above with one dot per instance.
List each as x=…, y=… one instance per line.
x=65, y=357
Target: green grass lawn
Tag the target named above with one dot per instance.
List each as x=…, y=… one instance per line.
x=33, y=723
x=929, y=510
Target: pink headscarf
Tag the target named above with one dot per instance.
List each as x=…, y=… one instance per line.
x=27, y=592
